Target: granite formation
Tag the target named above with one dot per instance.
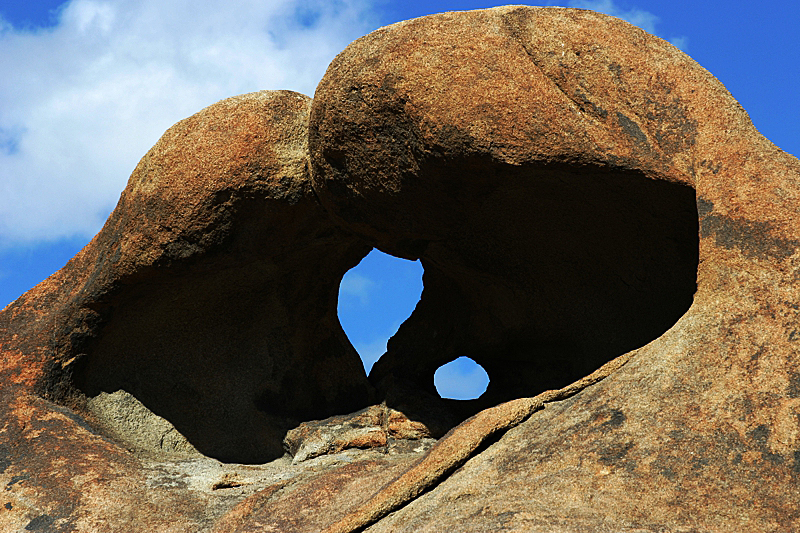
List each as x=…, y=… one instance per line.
x=556, y=223
x=582, y=196
x=575, y=189
x=202, y=318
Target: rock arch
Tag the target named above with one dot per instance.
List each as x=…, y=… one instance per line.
x=210, y=293
x=461, y=109
x=556, y=221
x=555, y=170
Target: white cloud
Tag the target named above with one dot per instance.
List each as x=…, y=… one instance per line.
x=81, y=102
x=356, y=286
x=681, y=43
x=638, y=17
x=645, y=20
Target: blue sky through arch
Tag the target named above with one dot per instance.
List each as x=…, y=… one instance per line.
x=461, y=379
x=375, y=297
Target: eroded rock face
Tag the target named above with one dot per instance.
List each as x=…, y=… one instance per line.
x=541, y=176
x=208, y=298
x=576, y=188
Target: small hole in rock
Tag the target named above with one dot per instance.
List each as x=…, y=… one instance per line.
x=461, y=379
x=375, y=297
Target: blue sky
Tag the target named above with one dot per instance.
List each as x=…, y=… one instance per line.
x=88, y=86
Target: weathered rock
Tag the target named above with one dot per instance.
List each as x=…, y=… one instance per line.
x=555, y=221
x=457, y=447
x=374, y=427
x=576, y=188
x=308, y=506
x=208, y=298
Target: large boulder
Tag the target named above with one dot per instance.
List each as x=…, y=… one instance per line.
x=540, y=172
x=576, y=189
x=202, y=318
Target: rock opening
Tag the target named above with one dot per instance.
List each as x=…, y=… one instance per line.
x=549, y=275
x=233, y=350
x=375, y=297
x=461, y=379
x=227, y=328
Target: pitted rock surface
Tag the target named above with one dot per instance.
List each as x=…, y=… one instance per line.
x=578, y=192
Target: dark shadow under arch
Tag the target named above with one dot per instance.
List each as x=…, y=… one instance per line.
x=550, y=273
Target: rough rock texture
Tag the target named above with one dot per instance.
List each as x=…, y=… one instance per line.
x=309, y=506
x=126, y=420
x=553, y=170
x=578, y=191
x=458, y=446
x=209, y=297
x=374, y=427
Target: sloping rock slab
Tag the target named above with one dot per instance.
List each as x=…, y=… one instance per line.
x=309, y=506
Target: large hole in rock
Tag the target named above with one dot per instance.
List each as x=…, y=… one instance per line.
x=544, y=278
x=461, y=379
x=544, y=281
x=375, y=297
x=233, y=347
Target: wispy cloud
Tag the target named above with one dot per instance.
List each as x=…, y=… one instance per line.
x=82, y=101
x=681, y=43
x=638, y=17
x=355, y=286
